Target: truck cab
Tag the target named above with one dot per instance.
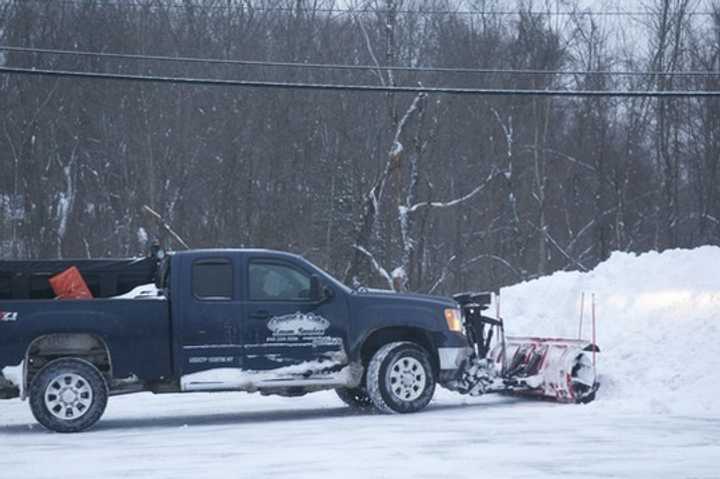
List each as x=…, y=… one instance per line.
x=247, y=312
x=272, y=321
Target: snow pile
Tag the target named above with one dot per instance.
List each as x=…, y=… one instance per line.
x=658, y=326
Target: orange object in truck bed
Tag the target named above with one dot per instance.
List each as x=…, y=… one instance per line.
x=70, y=285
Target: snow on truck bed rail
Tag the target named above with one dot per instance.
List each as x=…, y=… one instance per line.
x=144, y=291
x=658, y=326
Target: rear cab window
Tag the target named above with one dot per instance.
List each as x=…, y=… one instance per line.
x=212, y=279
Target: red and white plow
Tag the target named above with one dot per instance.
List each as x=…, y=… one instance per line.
x=554, y=368
x=560, y=369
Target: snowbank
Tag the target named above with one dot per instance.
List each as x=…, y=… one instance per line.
x=658, y=326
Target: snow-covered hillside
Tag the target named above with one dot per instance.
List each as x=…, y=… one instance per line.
x=658, y=326
x=656, y=414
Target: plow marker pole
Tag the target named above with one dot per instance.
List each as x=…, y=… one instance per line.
x=582, y=311
x=502, y=337
x=594, y=341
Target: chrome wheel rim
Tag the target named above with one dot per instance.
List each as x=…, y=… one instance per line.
x=68, y=396
x=407, y=378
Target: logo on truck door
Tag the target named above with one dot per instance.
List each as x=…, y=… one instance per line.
x=7, y=316
x=298, y=324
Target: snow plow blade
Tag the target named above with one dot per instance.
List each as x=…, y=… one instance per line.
x=555, y=368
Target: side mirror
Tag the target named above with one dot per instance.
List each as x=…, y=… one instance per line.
x=315, y=293
x=318, y=293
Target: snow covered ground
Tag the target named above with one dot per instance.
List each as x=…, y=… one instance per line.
x=239, y=435
x=656, y=415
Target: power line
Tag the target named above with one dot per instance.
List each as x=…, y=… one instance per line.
x=336, y=66
x=384, y=11
x=356, y=88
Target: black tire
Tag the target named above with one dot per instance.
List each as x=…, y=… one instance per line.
x=407, y=361
x=356, y=398
x=586, y=395
x=83, y=385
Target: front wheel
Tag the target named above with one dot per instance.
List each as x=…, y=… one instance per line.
x=68, y=395
x=400, y=378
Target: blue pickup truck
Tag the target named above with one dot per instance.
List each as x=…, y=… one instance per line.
x=229, y=320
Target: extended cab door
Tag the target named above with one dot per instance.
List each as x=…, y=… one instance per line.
x=211, y=314
x=284, y=326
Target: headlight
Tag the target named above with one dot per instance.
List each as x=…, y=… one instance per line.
x=453, y=316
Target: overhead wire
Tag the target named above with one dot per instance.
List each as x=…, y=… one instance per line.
x=338, y=66
x=246, y=6
x=356, y=87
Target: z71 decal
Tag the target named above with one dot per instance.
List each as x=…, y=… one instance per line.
x=7, y=316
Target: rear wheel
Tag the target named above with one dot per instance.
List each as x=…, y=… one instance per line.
x=400, y=378
x=68, y=395
x=356, y=398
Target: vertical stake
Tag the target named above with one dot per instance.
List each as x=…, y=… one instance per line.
x=594, y=337
x=582, y=312
x=502, y=335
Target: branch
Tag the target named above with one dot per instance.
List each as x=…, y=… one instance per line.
x=370, y=50
x=397, y=147
x=585, y=228
x=456, y=201
x=164, y=225
x=507, y=130
x=376, y=265
x=559, y=248
x=582, y=231
x=443, y=275
x=41, y=107
x=493, y=257
x=563, y=252
x=372, y=200
x=703, y=216
x=559, y=154
x=447, y=271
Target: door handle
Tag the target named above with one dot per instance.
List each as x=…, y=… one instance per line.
x=261, y=314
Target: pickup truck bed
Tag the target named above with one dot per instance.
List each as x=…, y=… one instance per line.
x=28, y=279
x=135, y=330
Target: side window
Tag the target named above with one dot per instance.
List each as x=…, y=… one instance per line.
x=5, y=290
x=40, y=287
x=277, y=282
x=212, y=279
x=93, y=284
